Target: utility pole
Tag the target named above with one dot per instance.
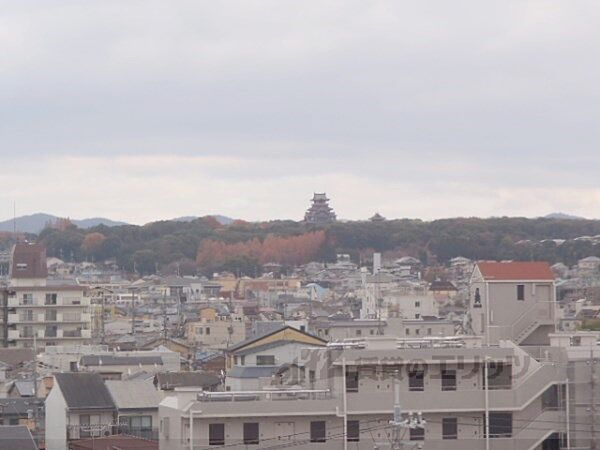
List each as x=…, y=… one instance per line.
x=400, y=424
x=102, y=332
x=164, y=312
x=132, y=312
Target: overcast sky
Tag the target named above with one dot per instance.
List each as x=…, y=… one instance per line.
x=144, y=110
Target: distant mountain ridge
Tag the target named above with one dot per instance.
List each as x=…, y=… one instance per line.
x=34, y=223
x=563, y=216
x=223, y=220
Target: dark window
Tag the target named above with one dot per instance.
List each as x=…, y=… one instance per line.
x=207, y=331
x=251, y=433
x=417, y=434
x=449, y=428
x=216, y=434
x=448, y=380
x=317, y=431
x=51, y=299
x=407, y=331
x=353, y=430
x=500, y=425
x=358, y=332
x=551, y=398
x=312, y=376
x=416, y=380
x=265, y=360
x=13, y=421
x=520, y=292
x=351, y=380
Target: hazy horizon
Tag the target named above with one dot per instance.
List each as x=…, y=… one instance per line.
x=143, y=110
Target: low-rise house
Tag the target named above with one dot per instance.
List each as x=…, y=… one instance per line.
x=137, y=407
x=78, y=406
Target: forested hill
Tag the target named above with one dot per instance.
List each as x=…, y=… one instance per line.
x=243, y=246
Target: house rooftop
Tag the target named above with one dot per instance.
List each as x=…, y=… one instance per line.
x=515, y=271
x=171, y=380
x=13, y=437
x=84, y=390
x=110, y=360
x=133, y=394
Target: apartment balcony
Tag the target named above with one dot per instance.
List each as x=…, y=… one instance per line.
x=16, y=302
x=268, y=403
x=90, y=431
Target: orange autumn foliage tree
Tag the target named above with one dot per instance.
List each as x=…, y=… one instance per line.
x=92, y=242
x=288, y=250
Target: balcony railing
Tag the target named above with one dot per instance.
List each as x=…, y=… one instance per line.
x=72, y=333
x=275, y=395
x=141, y=432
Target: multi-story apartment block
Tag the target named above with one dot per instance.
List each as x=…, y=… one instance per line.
x=467, y=395
x=42, y=311
x=513, y=300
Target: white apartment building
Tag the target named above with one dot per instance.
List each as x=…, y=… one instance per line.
x=49, y=312
x=42, y=311
x=468, y=396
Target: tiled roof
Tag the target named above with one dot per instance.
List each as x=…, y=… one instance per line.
x=133, y=394
x=515, y=271
x=84, y=390
x=14, y=437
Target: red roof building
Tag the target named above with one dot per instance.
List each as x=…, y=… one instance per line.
x=515, y=271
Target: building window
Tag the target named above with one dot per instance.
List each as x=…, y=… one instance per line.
x=358, y=332
x=449, y=428
x=265, y=360
x=207, y=331
x=199, y=330
x=50, y=299
x=326, y=332
x=520, y=292
x=351, y=379
x=318, y=431
x=140, y=426
x=27, y=299
x=353, y=430
x=408, y=331
x=243, y=360
x=429, y=331
x=417, y=331
x=417, y=316
x=500, y=425
x=448, y=380
x=89, y=425
x=216, y=434
x=417, y=304
x=251, y=434
x=371, y=332
x=21, y=266
x=416, y=380
x=417, y=434
x=312, y=376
